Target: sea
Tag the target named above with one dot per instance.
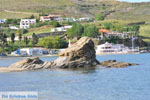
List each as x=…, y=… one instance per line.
x=130, y=83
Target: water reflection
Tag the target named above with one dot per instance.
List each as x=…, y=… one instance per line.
x=84, y=70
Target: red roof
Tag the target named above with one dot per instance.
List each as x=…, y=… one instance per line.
x=104, y=30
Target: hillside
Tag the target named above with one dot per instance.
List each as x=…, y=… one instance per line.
x=77, y=8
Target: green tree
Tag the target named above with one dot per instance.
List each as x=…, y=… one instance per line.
x=13, y=38
x=90, y=31
x=115, y=40
x=31, y=17
x=52, y=42
x=1, y=50
x=76, y=31
x=34, y=39
x=108, y=25
x=20, y=37
x=22, y=31
x=26, y=40
x=13, y=21
x=134, y=28
x=56, y=24
x=100, y=17
x=3, y=39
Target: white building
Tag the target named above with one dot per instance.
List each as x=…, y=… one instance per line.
x=67, y=20
x=109, y=48
x=28, y=52
x=61, y=29
x=13, y=27
x=2, y=21
x=58, y=29
x=25, y=23
x=85, y=19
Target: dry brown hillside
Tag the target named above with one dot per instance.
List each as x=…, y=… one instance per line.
x=77, y=8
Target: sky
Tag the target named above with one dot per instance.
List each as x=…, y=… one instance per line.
x=135, y=0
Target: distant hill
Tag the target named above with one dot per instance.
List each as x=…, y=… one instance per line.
x=77, y=8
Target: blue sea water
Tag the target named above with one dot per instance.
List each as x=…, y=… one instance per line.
x=135, y=0
x=131, y=83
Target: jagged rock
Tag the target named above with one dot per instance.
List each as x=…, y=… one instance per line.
x=80, y=54
x=29, y=63
x=115, y=64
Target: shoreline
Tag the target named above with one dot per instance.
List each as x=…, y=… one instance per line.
x=7, y=69
x=117, y=53
x=27, y=56
x=1, y=57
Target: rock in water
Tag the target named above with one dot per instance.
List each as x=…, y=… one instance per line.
x=115, y=64
x=31, y=64
x=80, y=54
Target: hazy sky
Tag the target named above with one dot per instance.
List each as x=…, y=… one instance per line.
x=136, y=0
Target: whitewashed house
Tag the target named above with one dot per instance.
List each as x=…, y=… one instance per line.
x=88, y=19
x=67, y=27
x=2, y=21
x=28, y=52
x=61, y=29
x=31, y=51
x=58, y=29
x=25, y=23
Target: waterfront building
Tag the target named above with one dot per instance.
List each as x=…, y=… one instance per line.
x=38, y=51
x=110, y=48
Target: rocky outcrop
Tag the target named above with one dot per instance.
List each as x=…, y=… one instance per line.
x=31, y=64
x=80, y=54
x=115, y=64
